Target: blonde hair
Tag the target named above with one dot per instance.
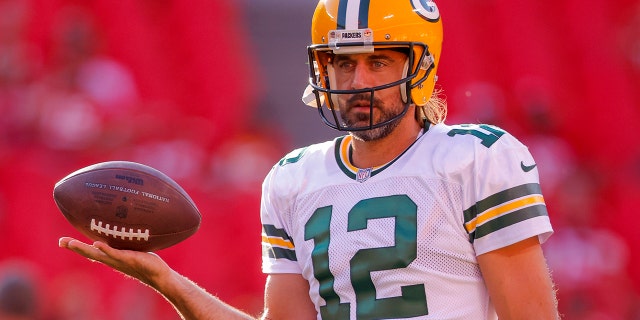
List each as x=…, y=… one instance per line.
x=435, y=110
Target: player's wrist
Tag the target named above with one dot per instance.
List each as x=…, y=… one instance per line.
x=163, y=279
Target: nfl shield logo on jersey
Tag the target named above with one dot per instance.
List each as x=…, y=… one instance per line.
x=363, y=174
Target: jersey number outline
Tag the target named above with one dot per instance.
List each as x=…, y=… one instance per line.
x=488, y=139
x=412, y=302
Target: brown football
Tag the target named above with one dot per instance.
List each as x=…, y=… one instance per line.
x=128, y=205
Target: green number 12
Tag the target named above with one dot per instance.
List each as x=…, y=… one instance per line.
x=412, y=302
x=487, y=138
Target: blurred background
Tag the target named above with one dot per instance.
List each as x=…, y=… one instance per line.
x=209, y=92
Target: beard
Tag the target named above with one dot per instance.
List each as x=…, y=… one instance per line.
x=356, y=119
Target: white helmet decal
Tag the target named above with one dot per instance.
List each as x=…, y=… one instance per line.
x=427, y=9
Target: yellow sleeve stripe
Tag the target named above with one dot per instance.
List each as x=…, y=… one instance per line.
x=278, y=242
x=503, y=210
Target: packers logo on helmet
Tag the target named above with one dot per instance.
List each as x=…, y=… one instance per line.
x=427, y=9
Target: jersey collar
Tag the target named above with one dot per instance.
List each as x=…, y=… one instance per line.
x=343, y=152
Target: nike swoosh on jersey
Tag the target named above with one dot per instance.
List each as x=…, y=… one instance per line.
x=526, y=168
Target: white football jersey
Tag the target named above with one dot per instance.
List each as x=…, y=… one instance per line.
x=400, y=241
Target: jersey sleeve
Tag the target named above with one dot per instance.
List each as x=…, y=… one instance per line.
x=278, y=250
x=503, y=199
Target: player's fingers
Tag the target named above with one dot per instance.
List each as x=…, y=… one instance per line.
x=143, y=266
x=70, y=243
x=83, y=249
x=127, y=259
x=64, y=241
x=110, y=251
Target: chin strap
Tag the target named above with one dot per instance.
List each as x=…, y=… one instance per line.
x=421, y=116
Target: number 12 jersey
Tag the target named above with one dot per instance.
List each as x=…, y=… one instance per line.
x=400, y=241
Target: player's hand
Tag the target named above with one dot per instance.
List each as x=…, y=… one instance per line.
x=144, y=266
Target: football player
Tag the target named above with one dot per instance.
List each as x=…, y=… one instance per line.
x=403, y=216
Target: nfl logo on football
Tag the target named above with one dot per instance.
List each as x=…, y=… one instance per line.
x=363, y=175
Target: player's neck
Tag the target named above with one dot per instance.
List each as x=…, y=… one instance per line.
x=368, y=154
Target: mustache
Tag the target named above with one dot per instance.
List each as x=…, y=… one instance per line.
x=356, y=99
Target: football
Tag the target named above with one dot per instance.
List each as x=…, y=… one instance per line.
x=128, y=205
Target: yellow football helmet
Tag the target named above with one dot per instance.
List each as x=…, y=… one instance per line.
x=360, y=26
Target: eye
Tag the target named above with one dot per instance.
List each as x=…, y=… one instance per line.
x=378, y=64
x=345, y=65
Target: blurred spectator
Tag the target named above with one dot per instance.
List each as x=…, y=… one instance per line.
x=79, y=59
x=175, y=144
x=83, y=92
x=624, y=195
x=242, y=162
x=77, y=295
x=19, y=292
x=20, y=61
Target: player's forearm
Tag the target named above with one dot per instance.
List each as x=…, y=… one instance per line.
x=519, y=282
x=193, y=302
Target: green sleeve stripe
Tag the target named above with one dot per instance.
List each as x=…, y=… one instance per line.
x=271, y=231
x=279, y=253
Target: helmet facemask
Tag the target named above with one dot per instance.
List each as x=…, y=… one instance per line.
x=322, y=92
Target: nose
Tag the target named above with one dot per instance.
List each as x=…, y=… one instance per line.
x=361, y=77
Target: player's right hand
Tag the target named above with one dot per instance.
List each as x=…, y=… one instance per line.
x=147, y=267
